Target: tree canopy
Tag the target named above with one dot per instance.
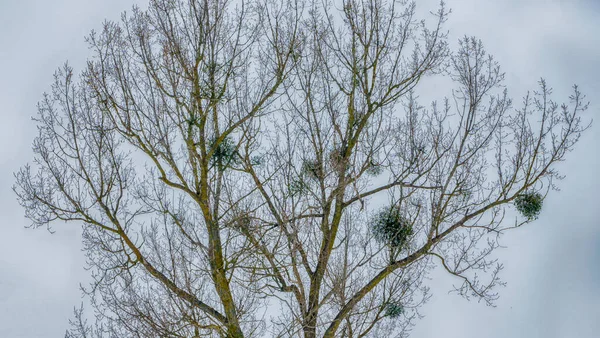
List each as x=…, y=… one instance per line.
x=261, y=168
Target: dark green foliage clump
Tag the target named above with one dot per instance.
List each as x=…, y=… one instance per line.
x=297, y=187
x=529, y=204
x=374, y=169
x=256, y=160
x=312, y=168
x=391, y=228
x=393, y=309
x=224, y=154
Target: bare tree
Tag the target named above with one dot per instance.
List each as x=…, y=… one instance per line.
x=260, y=168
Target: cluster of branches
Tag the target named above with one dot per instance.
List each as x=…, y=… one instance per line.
x=230, y=161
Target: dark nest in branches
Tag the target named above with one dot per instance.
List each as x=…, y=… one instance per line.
x=336, y=159
x=393, y=309
x=529, y=204
x=243, y=221
x=391, y=227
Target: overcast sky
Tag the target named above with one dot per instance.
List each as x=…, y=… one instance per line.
x=552, y=265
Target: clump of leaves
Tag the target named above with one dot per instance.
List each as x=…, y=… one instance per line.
x=224, y=153
x=313, y=169
x=256, y=160
x=374, y=169
x=529, y=204
x=297, y=187
x=391, y=227
x=393, y=309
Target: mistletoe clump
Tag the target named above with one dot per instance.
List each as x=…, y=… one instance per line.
x=224, y=153
x=374, y=169
x=392, y=228
x=529, y=204
x=297, y=187
x=393, y=309
x=313, y=169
